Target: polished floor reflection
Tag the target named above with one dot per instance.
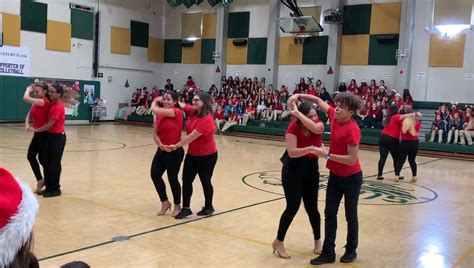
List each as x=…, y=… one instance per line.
x=108, y=193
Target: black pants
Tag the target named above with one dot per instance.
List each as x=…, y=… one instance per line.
x=300, y=178
x=204, y=167
x=408, y=148
x=36, y=152
x=169, y=162
x=349, y=187
x=53, y=153
x=387, y=145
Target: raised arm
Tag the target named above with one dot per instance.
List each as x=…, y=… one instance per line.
x=314, y=127
x=27, y=98
x=166, y=112
x=306, y=97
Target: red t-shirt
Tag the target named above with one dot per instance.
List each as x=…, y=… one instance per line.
x=250, y=109
x=190, y=83
x=204, y=144
x=352, y=88
x=341, y=136
x=278, y=107
x=303, y=140
x=39, y=114
x=169, y=128
x=394, y=127
x=408, y=137
x=155, y=95
x=312, y=91
x=219, y=115
x=57, y=113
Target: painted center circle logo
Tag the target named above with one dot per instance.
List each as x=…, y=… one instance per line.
x=372, y=192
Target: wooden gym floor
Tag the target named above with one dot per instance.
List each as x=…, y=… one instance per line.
x=107, y=193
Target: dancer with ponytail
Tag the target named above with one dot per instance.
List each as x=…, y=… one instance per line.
x=35, y=119
x=167, y=131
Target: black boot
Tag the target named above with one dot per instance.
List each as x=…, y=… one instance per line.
x=349, y=256
x=183, y=213
x=324, y=258
x=205, y=211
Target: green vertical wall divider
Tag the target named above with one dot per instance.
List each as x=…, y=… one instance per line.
x=173, y=51
x=356, y=19
x=34, y=16
x=257, y=51
x=208, y=46
x=10, y=97
x=239, y=25
x=2, y=97
x=316, y=50
x=140, y=33
x=382, y=54
x=82, y=24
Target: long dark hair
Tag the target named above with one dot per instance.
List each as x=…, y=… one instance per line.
x=392, y=110
x=304, y=108
x=174, y=96
x=24, y=257
x=207, y=107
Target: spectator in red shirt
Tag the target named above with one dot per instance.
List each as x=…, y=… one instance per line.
x=55, y=142
x=190, y=83
x=409, y=142
x=202, y=153
x=352, y=86
x=250, y=111
x=373, y=85
x=232, y=121
x=167, y=131
x=300, y=173
x=277, y=110
x=312, y=91
x=219, y=117
x=345, y=177
x=38, y=115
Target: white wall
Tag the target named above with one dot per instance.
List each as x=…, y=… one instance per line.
x=78, y=63
x=203, y=74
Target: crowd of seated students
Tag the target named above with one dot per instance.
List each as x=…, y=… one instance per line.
x=453, y=125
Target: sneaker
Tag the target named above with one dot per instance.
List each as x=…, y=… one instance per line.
x=379, y=178
x=183, y=213
x=205, y=211
x=323, y=259
x=401, y=178
x=349, y=256
x=52, y=194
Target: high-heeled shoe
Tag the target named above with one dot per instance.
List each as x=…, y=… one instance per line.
x=39, y=186
x=414, y=179
x=318, y=246
x=165, y=206
x=278, y=253
x=176, y=210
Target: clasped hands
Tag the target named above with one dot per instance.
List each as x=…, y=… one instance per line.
x=169, y=148
x=318, y=151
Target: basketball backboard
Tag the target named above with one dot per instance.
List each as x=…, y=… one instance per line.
x=304, y=24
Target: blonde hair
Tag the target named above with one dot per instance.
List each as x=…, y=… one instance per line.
x=408, y=125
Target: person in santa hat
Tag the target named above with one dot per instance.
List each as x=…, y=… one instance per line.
x=18, y=208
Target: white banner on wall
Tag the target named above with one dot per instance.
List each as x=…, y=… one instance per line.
x=15, y=61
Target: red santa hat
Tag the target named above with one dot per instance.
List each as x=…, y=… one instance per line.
x=18, y=208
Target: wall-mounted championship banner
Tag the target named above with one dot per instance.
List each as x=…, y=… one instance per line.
x=15, y=61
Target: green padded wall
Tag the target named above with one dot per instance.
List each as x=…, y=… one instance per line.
x=34, y=16
x=22, y=107
x=238, y=25
x=10, y=97
x=208, y=46
x=140, y=33
x=173, y=51
x=356, y=19
x=382, y=54
x=82, y=24
x=257, y=51
x=316, y=50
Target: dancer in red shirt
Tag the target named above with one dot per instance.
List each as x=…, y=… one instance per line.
x=345, y=177
x=38, y=116
x=300, y=173
x=168, y=126
x=55, y=142
x=202, y=153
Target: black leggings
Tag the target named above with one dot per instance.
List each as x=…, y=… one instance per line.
x=53, y=153
x=300, y=178
x=36, y=149
x=169, y=162
x=204, y=167
x=408, y=148
x=387, y=145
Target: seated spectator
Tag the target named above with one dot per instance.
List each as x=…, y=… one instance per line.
x=190, y=83
x=261, y=109
x=232, y=121
x=455, y=127
x=397, y=100
x=455, y=110
x=407, y=98
x=352, y=86
x=373, y=85
x=325, y=96
x=342, y=87
x=219, y=118
x=382, y=85
x=18, y=208
x=277, y=110
x=443, y=111
x=155, y=93
x=134, y=101
x=364, y=89
x=468, y=132
x=168, y=85
x=319, y=85
x=312, y=91
x=438, y=127
x=249, y=113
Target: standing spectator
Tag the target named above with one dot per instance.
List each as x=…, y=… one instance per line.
x=168, y=85
x=190, y=83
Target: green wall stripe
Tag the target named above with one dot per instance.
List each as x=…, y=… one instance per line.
x=238, y=25
x=173, y=51
x=82, y=24
x=257, y=51
x=208, y=46
x=356, y=19
x=382, y=53
x=140, y=33
x=34, y=16
x=316, y=50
